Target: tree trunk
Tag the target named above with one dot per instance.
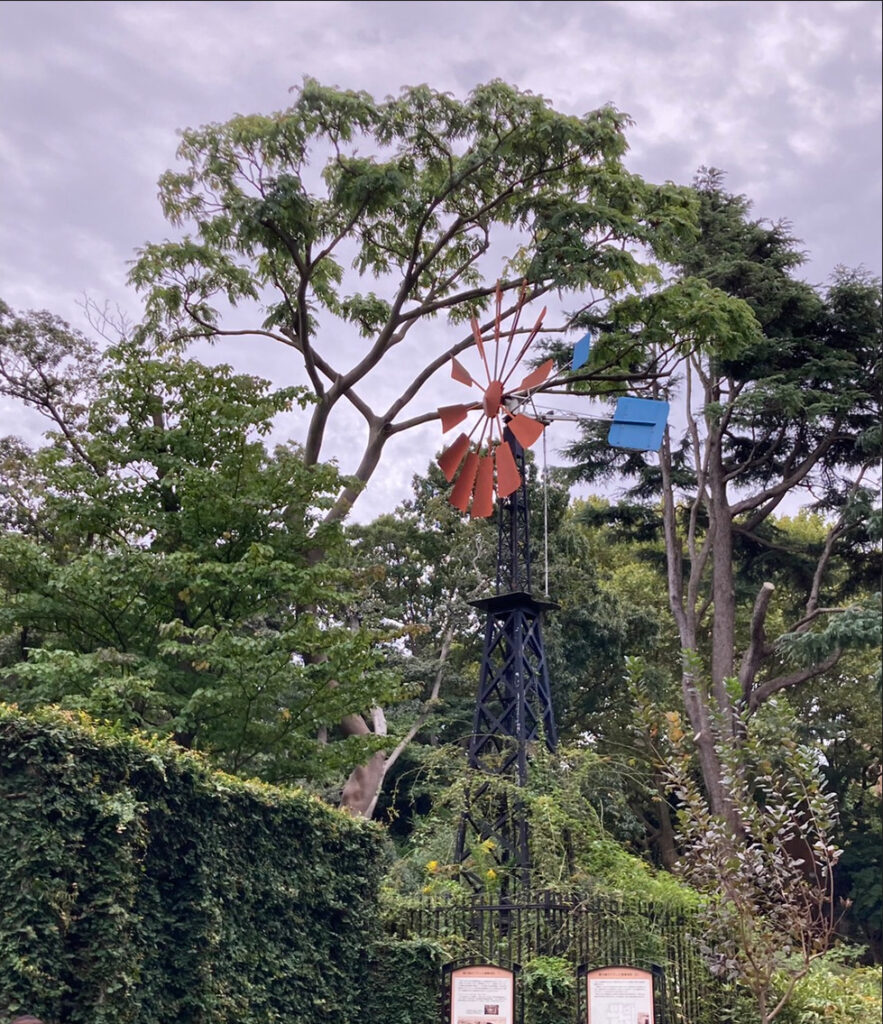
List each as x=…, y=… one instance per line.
x=362, y=788
x=665, y=839
x=687, y=614
x=695, y=703
x=723, y=590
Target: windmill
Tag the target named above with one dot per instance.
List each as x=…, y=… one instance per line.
x=513, y=709
x=479, y=476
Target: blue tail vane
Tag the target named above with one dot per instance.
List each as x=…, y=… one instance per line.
x=638, y=423
x=581, y=352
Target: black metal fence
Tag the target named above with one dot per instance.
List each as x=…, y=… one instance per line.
x=595, y=929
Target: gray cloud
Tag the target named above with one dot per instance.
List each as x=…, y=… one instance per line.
x=784, y=96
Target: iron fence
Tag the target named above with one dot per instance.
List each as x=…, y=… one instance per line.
x=595, y=929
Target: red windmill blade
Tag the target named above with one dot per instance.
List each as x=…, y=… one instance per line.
x=478, y=477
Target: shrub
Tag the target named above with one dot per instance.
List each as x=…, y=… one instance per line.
x=549, y=991
x=833, y=993
x=137, y=885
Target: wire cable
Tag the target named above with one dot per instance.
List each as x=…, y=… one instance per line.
x=545, y=517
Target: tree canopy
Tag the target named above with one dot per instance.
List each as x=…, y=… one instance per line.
x=787, y=408
x=156, y=560
x=417, y=203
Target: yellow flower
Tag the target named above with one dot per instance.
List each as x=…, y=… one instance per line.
x=426, y=889
x=488, y=845
x=432, y=867
x=491, y=874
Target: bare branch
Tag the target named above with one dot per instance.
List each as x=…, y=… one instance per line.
x=803, y=625
x=249, y=332
x=784, y=682
x=757, y=648
x=836, y=531
x=787, y=484
x=428, y=706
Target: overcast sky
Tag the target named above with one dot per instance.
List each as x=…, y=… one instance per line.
x=785, y=97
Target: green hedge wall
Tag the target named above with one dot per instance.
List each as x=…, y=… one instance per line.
x=138, y=886
x=404, y=982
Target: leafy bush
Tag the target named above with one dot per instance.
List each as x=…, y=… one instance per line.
x=549, y=990
x=404, y=982
x=833, y=993
x=571, y=851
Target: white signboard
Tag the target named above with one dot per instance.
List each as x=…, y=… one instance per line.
x=482, y=995
x=620, y=995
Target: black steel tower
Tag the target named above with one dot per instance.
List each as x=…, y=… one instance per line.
x=513, y=709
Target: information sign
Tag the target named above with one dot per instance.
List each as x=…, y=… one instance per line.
x=620, y=995
x=482, y=995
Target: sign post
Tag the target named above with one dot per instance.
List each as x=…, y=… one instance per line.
x=480, y=994
x=620, y=995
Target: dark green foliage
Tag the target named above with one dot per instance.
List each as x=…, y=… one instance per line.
x=782, y=404
x=550, y=991
x=138, y=886
x=551, y=935
x=425, y=561
x=158, y=564
x=404, y=982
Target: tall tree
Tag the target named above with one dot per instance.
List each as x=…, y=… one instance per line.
x=422, y=194
x=788, y=411
x=155, y=557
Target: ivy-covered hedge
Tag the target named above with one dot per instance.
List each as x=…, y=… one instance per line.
x=404, y=982
x=138, y=886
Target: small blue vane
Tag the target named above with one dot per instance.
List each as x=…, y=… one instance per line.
x=638, y=423
x=581, y=352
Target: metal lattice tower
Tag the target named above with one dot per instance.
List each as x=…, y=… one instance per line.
x=513, y=708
